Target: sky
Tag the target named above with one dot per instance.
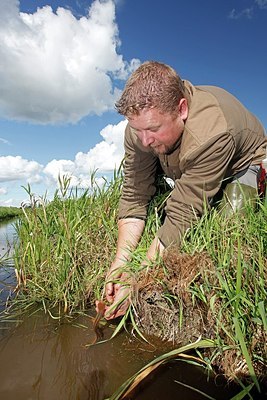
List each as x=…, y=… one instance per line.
x=64, y=63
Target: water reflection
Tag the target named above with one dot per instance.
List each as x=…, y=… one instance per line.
x=7, y=239
x=43, y=360
x=47, y=360
x=7, y=284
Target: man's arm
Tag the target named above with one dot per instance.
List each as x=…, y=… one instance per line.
x=118, y=281
x=138, y=188
x=203, y=173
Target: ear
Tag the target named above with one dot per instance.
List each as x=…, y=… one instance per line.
x=183, y=109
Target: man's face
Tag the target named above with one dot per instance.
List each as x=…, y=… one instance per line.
x=157, y=130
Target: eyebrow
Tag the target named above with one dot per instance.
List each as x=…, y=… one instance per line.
x=149, y=128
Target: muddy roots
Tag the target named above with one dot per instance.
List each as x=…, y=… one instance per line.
x=168, y=307
x=165, y=306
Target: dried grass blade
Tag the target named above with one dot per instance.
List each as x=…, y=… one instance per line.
x=137, y=378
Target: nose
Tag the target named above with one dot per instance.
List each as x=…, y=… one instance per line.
x=146, y=138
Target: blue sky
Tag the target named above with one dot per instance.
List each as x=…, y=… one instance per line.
x=64, y=63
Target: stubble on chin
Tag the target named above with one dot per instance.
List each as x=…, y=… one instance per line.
x=162, y=149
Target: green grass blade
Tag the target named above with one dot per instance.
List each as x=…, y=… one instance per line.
x=245, y=353
x=243, y=392
x=195, y=390
x=263, y=314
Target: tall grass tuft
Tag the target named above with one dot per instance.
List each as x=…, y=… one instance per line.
x=66, y=245
x=238, y=299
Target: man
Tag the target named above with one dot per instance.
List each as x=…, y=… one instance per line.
x=199, y=136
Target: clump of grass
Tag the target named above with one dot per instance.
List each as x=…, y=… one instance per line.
x=66, y=245
x=237, y=295
x=214, y=286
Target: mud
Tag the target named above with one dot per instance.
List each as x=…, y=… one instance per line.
x=167, y=308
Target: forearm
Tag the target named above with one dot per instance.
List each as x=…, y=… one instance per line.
x=129, y=233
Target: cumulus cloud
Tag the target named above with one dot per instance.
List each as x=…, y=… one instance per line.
x=63, y=66
x=105, y=156
x=16, y=168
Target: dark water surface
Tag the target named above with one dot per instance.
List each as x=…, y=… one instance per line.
x=42, y=359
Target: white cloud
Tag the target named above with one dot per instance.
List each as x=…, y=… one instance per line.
x=3, y=190
x=4, y=141
x=56, y=68
x=17, y=168
x=8, y=203
x=249, y=11
x=102, y=159
x=245, y=13
x=105, y=156
x=261, y=3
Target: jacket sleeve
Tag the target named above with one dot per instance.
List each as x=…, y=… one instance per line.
x=201, y=179
x=140, y=167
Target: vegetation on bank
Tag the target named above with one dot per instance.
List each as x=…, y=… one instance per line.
x=9, y=212
x=214, y=287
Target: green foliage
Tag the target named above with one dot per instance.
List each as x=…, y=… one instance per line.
x=9, y=212
x=66, y=245
x=238, y=299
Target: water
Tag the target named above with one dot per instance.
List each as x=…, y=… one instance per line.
x=42, y=358
x=7, y=274
x=7, y=239
x=47, y=360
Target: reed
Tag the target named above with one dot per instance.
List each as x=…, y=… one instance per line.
x=237, y=294
x=65, y=246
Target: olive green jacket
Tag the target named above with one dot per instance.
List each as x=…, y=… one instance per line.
x=221, y=138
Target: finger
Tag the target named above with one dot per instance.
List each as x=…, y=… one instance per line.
x=112, y=313
x=118, y=307
x=110, y=292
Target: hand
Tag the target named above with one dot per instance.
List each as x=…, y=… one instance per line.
x=118, y=290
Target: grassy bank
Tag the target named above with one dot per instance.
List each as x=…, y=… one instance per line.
x=65, y=246
x=9, y=213
x=215, y=287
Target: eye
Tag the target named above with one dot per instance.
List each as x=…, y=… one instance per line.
x=154, y=130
